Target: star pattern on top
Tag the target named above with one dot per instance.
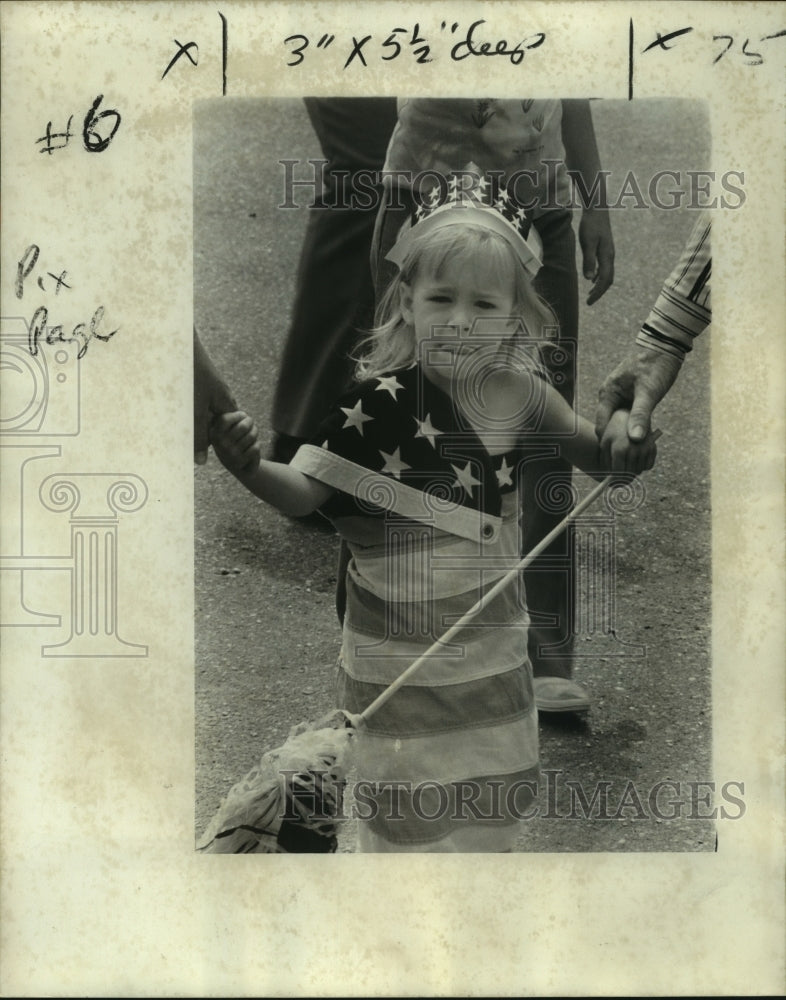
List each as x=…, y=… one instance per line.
x=465, y=478
x=393, y=464
x=474, y=188
x=492, y=202
x=355, y=417
x=389, y=383
x=503, y=473
x=427, y=430
x=410, y=435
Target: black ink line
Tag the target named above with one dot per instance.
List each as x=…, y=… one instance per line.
x=630, y=61
x=182, y=50
x=224, y=38
x=662, y=39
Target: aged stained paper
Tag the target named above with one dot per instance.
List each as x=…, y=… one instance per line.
x=102, y=892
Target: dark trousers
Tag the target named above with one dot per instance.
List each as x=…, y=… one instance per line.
x=334, y=296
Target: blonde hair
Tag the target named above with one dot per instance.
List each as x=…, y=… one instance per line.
x=391, y=343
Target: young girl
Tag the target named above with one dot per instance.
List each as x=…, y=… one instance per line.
x=418, y=470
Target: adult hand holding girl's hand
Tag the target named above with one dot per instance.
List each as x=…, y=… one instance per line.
x=235, y=439
x=620, y=454
x=638, y=383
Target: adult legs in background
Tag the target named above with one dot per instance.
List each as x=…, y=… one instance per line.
x=550, y=582
x=334, y=297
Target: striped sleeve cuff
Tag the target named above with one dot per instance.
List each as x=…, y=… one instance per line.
x=653, y=341
x=673, y=324
x=682, y=310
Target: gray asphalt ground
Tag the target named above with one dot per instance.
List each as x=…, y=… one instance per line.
x=267, y=635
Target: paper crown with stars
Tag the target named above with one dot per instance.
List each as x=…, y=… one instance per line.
x=469, y=197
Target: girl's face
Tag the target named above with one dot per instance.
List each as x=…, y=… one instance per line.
x=460, y=315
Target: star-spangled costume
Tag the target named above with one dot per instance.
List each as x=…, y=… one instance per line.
x=431, y=519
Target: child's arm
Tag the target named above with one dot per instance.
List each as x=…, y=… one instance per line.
x=616, y=453
x=540, y=409
x=235, y=440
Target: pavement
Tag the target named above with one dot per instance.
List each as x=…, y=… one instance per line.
x=266, y=631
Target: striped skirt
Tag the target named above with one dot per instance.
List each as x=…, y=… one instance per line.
x=450, y=761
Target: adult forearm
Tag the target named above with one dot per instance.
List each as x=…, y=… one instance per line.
x=583, y=162
x=211, y=396
x=578, y=138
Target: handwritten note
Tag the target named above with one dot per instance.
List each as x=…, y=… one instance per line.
x=98, y=130
x=51, y=283
x=433, y=41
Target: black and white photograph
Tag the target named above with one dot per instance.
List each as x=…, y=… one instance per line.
x=391, y=463
x=576, y=715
